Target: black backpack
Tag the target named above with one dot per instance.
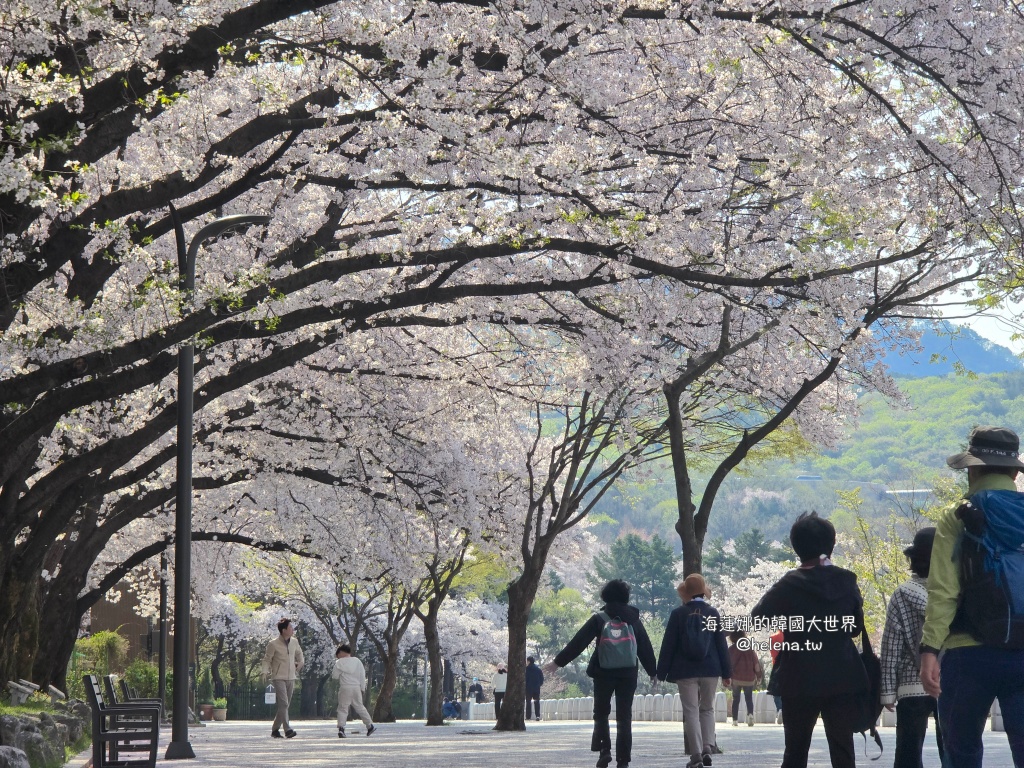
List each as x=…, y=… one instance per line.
x=991, y=604
x=696, y=635
x=868, y=705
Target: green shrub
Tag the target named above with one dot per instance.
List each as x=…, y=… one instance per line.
x=220, y=703
x=107, y=651
x=101, y=654
x=144, y=677
x=205, y=691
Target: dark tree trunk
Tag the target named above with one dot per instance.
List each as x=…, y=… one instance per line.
x=383, y=711
x=449, y=680
x=433, y=641
x=21, y=596
x=692, y=540
x=19, y=605
x=61, y=621
x=307, y=700
x=320, y=703
x=521, y=594
x=243, y=669
x=218, y=657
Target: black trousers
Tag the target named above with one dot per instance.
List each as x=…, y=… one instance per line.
x=801, y=716
x=912, y=716
x=623, y=688
x=533, y=696
x=498, y=696
x=748, y=694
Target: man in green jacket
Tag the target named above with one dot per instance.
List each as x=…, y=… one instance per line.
x=968, y=676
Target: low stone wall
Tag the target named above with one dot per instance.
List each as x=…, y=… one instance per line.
x=40, y=741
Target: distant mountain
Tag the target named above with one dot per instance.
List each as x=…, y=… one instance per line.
x=894, y=455
x=950, y=346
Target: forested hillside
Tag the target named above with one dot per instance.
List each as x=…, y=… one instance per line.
x=894, y=455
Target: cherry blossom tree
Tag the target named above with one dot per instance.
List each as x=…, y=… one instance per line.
x=565, y=476
x=793, y=184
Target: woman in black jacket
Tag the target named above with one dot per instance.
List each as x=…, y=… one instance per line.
x=818, y=670
x=694, y=655
x=619, y=681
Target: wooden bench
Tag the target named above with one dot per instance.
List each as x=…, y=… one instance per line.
x=127, y=696
x=122, y=729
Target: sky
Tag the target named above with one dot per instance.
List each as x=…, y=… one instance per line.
x=996, y=325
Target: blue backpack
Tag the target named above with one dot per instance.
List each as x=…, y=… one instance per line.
x=991, y=604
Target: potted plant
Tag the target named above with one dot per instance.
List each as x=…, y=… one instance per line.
x=205, y=696
x=220, y=709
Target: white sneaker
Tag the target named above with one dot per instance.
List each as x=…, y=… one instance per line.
x=750, y=720
x=778, y=717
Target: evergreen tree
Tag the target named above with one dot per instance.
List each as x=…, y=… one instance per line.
x=649, y=567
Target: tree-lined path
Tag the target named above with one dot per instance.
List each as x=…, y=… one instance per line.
x=515, y=249
x=544, y=745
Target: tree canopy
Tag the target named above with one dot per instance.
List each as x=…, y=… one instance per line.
x=709, y=219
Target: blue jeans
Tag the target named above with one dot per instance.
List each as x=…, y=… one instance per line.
x=972, y=678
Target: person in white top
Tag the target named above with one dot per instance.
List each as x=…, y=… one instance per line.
x=499, y=683
x=351, y=677
x=282, y=663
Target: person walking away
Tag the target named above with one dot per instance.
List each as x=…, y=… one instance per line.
x=746, y=671
x=351, y=677
x=975, y=613
x=694, y=656
x=824, y=612
x=499, y=683
x=281, y=664
x=902, y=689
x=621, y=642
x=775, y=645
x=534, y=680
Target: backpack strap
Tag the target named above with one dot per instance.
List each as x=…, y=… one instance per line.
x=878, y=741
x=866, y=641
x=972, y=515
x=866, y=648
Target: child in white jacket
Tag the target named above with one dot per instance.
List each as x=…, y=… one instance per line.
x=351, y=677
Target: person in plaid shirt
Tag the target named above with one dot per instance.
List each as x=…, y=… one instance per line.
x=902, y=689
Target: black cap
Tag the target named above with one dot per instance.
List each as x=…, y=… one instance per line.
x=921, y=549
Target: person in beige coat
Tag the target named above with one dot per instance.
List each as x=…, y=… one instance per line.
x=282, y=663
x=351, y=677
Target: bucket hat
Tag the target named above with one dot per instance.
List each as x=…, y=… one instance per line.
x=692, y=586
x=989, y=447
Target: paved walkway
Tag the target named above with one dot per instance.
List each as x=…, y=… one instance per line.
x=555, y=744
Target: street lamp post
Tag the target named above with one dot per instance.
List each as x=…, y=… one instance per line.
x=180, y=748
x=162, y=685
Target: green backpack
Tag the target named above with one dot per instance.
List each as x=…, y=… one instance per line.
x=616, y=645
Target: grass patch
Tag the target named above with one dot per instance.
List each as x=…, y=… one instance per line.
x=78, y=747
x=29, y=708
x=33, y=709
